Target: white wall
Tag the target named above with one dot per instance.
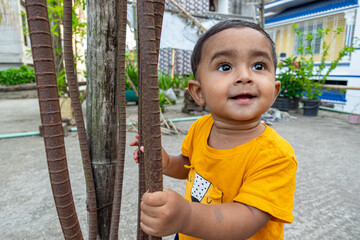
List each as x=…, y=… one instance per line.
x=223, y=6
x=353, y=96
x=12, y=47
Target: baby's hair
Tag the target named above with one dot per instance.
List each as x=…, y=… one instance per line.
x=196, y=54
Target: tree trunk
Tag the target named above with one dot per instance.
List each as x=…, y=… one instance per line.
x=39, y=29
x=102, y=31
x=76, y=106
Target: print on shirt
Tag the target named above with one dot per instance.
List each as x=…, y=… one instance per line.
x=200, y=190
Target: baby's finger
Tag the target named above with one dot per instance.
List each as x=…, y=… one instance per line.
x=134, y=143
x=136, y=155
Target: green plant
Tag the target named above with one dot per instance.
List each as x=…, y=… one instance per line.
x=13, y=76
x=176, y=81
x=185, y=80
x=131, y=57
x=55, y=11
x=291, y=85
x=132, y=73
x=165, y=81
x=163, y=101
x=61, y=84
x=314, y=77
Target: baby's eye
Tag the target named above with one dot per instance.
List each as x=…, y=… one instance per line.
x=258, y=66
x=224, y=68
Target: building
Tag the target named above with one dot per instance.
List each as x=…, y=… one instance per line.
x=14, y=42
x=311, y=15
x=179, y=33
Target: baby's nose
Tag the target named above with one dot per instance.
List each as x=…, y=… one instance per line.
x=243, y=76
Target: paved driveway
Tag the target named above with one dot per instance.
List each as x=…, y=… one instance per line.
x=327, y=201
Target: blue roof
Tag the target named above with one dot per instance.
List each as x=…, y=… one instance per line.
x=311, y=8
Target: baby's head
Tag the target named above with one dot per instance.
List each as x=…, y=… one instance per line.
x=221, y=26
x=234, y=65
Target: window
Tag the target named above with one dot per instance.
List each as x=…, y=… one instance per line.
x=306, y=29
x=212, y=7
x=219, y=6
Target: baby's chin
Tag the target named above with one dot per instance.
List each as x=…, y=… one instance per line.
x=237, y=119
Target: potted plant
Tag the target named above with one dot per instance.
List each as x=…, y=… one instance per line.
x=131, y=83
x=354, y=115
x=312, y=76
x=291, y=85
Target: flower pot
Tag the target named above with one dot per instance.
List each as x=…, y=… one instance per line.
x=311, y=107
x=286, y=104
x=130, y=96
x=354, y=119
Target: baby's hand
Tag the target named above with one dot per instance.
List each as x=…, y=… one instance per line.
x=165, y=156
x=164, y=213
x=136, y=152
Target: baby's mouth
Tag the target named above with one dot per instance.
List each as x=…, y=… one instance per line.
x=243, y=97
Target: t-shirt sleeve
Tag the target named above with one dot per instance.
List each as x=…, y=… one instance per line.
x=270, y=187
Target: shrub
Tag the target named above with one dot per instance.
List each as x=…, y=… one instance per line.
x=311, y=76
x=13, y=76
x=165, y=81
x=291, y=85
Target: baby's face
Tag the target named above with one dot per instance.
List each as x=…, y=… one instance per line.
x=237, y=74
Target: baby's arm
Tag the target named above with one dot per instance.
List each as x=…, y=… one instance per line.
x=164, y=213
x=173, y=166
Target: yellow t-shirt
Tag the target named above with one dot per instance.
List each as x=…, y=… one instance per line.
x=260, y=173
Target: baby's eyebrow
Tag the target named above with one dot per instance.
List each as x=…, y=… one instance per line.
x=259, y=53
x=232, y=53
x=225, y=53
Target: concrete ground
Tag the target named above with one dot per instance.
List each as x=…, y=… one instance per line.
x=327, y=200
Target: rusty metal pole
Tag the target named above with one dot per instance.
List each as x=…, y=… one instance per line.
x=159, y=8
x=150, y=109
x=152, y=133
x=39, y=29
x=141, y=235
x=121, y=117
x=76, y=106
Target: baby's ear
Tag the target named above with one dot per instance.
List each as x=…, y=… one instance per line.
x=277, y=90
x=194, y=87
